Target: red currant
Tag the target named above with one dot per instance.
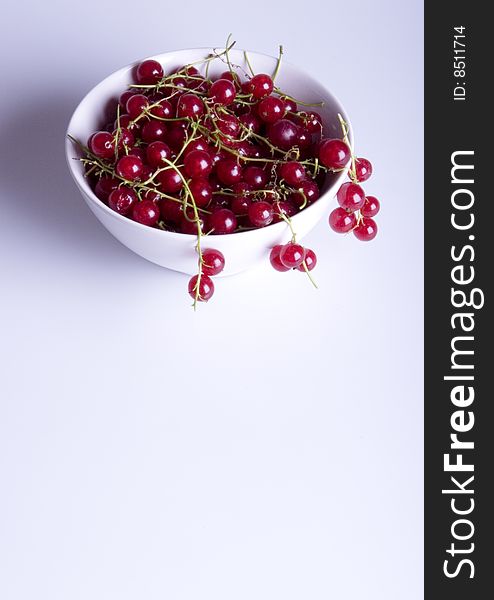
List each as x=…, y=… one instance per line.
x=201, y=192
x=341, y=221
x=363, y=169
x=222, y=92
x=293, y=173
x=274, y=258
x=255, y=177
x=170, y=181
x=121, y=200
x=310, y=260
x=213, y=261
x=271, y=109
x=157, y=153
x=136, y=105
x=201, y=289
x=149, y=72
x=283, y=134
x=152, y=131
x=102, y=144
x=228, y=171
x=146, y=213
x=292, y=255
x=334, y=154
x=260, y=85
x=366, y=230
x=223, y=221
x=190, y=105
x=129, y=167
x=260, y=214
x=351, y=196
x=371, y=207
x=198, y=163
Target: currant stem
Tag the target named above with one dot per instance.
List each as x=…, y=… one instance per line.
x=278, y=64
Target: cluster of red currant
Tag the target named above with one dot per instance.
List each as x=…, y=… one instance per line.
x=194, y=155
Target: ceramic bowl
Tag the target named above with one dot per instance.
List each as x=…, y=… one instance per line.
x=177, y=250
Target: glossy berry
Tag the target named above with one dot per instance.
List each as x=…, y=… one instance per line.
x=190, y=225
x=228, y=171
x=260, y=214
x=310, y=261
x=152, y=131
x=129, y=167
x=293, y=173
x=170, y=181
x=240, y=204
x=271, y=109
x=213, y=261
x=170, y=210
x=102, y=145
x=136, y=105
x=366, y=230
x=222, y=92
x=334, y=154
x=125, y=138
x=260, y=85
x=198, y=163
x=229, y=125
x=157, y=153
x=149, y=72
x=283, y=134
x=201, y=289
x=283, y=207
x=290, y=105
x=371, y=207
x=313, y=122
x=351, y=196
x=341, y=221
x=162, y=110
x=223, y=221
x=250, y=121
x=363, y=169
x=124, y=96
x=308, y=192
x=255, y=177
x=292, y=255
x=146, y=213
x=105, y=186
x=201, y=192
x=190, y=105
x=274, y=258
x=121, y=200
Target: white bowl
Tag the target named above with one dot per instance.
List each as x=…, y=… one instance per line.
x=177, y=250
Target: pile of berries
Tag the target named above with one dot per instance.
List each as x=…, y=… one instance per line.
x=193, y=155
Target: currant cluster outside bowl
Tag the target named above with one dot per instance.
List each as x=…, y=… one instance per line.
x=176, y=251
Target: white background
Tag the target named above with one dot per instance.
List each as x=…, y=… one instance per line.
x=268, y=446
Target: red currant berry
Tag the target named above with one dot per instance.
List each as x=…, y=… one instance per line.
x=363, y=169
x=146, y=213
x=170, y=181
x=250, y=121
x=255, y=177
x=292, y=255
x=129, y=167
x=136, y=105
x=138, y=152
x=293, y=173
x=153, y=131
x=229, y=125
x=310, y=260
x=102, y=144
x=177, y=134
x=290, y=105
x=213, y=261
x=341, y=221
x=124, y=96
x=190, y=105
x=190, y=225
x=334, y=154
x=201, y=289
x=125, y=138
x=240, y=205
x=366, y=230
x=351, y=197
x=260, y=214
x=201, y=192
x=271, y=109
x=198, y=163
x=260, y=85
x=162, y=110
x=371, y=207
x=170, y=210
x=228, y=171
x=223, y=221
x=283, y=207
x=105, y=186
x=222, y=92
x=121, y=200
x=283, y=134
x=149, y=72
x=307, y=193
x=157, y=153
x=313, y=122
x=274, y=258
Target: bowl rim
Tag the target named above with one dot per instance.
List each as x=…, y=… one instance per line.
x=85, y=188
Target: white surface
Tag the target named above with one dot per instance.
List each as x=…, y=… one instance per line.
x=268, y=446
x=177, y=251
